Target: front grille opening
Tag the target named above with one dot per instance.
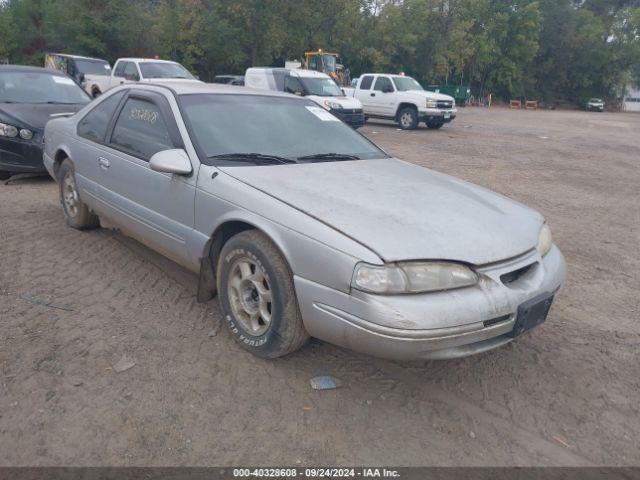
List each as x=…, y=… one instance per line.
x=493, y=321
x=511, y=277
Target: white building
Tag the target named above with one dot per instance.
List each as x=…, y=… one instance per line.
x=631, y=101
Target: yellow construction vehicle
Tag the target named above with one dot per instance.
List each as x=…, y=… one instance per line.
x=328, y=63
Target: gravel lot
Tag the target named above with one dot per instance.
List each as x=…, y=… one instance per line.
x=565, y=394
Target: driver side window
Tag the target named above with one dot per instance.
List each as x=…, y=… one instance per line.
x=141, y=130
x=293, y=85
x=131, y=72
x=119, y=70
x=383, y=84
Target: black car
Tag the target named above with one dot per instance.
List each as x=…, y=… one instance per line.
x=29, y=98
x=229, y=79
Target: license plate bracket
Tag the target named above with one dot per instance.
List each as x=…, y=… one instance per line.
x=532, y=313
x=447, y=115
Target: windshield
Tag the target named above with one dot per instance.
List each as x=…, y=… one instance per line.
x=163, y=70
x=36, y=87
x=595, y=100
x=404, y=84
x=283, y=127
x=93, y=67
x=323, y=87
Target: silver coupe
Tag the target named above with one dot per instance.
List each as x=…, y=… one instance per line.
x=302, y=226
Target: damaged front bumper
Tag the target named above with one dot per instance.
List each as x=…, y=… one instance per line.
x=437, y=325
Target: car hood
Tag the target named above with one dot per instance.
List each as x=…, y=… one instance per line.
x=402, y=211
x=34, y=116
x=430, y=95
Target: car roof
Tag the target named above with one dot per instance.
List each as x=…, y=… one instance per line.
x=28, y=69
x=192, y=88
x=299, y=72
x=143, y=60
x=78, y=56
x=387, y=75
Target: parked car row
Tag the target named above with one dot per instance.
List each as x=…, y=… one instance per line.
x=96, y=77
x=392, y=97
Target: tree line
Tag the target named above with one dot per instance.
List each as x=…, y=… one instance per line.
x=551, y=50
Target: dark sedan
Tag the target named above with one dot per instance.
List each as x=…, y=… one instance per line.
x=29, y=98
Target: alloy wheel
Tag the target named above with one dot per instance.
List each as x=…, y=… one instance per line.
x=250, y=297
x=70, y=194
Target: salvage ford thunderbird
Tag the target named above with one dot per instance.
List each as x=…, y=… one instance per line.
x=302, y=226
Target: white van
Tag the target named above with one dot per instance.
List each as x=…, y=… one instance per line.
x=316, y=86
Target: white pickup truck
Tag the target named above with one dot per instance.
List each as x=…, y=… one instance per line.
x=402, y=99
x=133, y=70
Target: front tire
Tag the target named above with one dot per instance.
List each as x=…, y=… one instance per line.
x=435, y=126
x=5, y=175
x=76, y=212
x=257, y=297
x=96, y=93
x=408, y=118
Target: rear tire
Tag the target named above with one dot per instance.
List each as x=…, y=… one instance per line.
x=76, y=212
x=434, y=126
x=257, y=297
x=408, y=118
x=5, y=175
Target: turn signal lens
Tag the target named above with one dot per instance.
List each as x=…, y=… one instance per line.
x=545, y=240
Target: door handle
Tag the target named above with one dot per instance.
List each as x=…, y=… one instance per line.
x=103, y=162
x=121, y=82
x=373, y=94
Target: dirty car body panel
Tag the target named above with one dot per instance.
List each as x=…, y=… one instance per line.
x=327, y=218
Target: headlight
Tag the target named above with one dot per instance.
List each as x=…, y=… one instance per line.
x=332, y=105
x=432, y=103
x=26, y=134
x=412, y=277
x=8, y=130
x=545, y=241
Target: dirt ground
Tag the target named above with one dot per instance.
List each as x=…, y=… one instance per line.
x=564, y=394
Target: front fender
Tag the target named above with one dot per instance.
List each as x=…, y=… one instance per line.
x=312, y=249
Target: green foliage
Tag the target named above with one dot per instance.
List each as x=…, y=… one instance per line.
x=545, y=49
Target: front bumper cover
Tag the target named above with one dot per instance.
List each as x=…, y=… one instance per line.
x=438, y=325
x=353, y=117
x=22, y=156
x=435, y=115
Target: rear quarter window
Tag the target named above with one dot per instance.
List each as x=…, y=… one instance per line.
x=95, y=123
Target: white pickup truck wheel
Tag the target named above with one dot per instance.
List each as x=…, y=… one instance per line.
x=408, y=118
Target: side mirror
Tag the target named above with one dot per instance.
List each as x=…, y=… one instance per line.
x=171, y=161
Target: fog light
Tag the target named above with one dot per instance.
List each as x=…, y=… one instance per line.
x=26, y=134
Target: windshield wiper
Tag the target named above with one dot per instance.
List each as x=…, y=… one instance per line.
x=329, y=156
x=257, y=158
